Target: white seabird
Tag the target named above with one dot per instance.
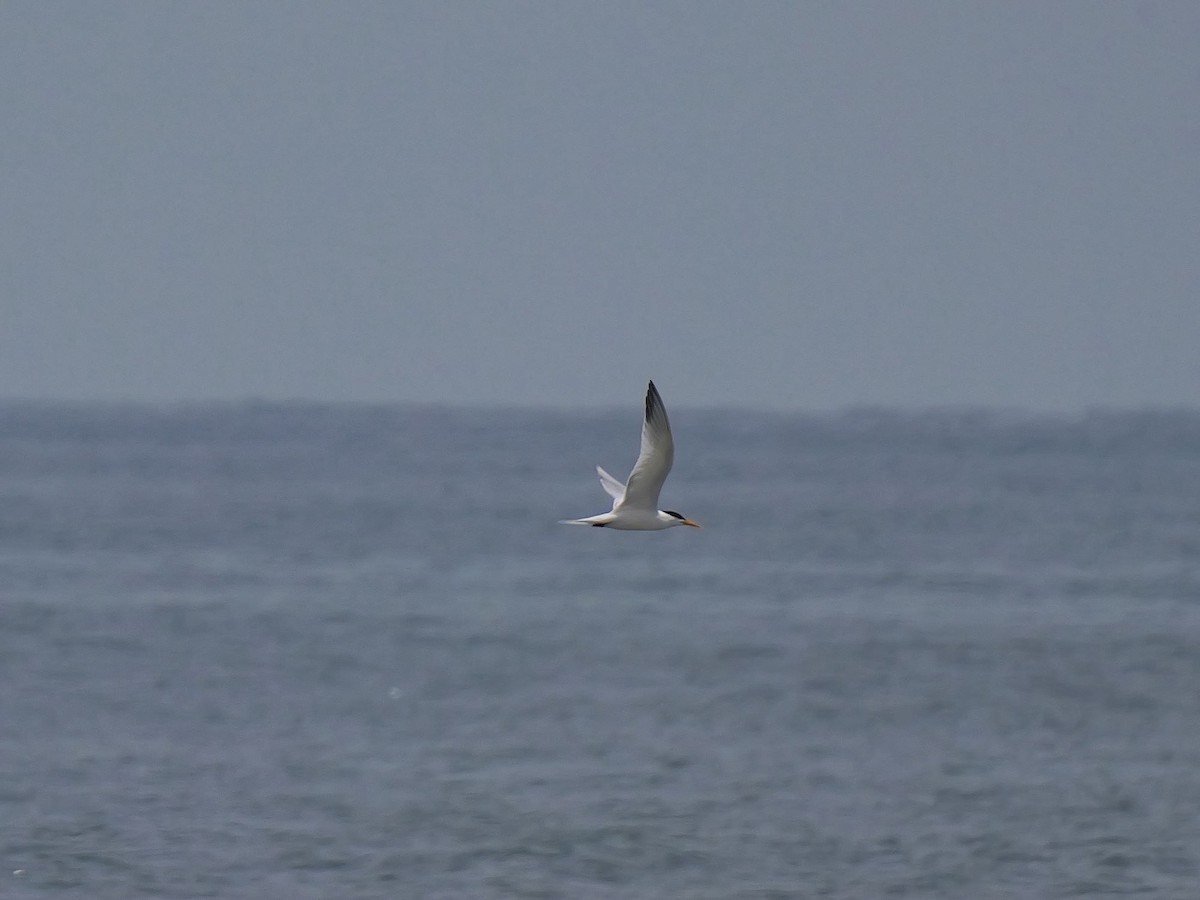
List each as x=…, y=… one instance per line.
x=635, y=503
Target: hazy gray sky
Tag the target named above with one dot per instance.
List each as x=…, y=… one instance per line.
x=796, y=205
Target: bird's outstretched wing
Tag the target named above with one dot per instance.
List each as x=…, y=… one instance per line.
x=654, y=461
x=611, y=486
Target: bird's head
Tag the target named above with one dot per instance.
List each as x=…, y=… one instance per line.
x=677, y=519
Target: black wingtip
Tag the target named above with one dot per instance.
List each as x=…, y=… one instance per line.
x=652, y=398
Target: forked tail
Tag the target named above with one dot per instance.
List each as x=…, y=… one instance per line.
x=599, y=521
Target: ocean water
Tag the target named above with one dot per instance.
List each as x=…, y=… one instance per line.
x=296, y=651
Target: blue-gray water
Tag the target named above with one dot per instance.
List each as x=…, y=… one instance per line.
x=345, y=652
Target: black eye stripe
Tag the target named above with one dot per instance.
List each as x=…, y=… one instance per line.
x=672, y=513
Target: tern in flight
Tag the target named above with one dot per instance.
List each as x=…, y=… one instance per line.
x=635, y=503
